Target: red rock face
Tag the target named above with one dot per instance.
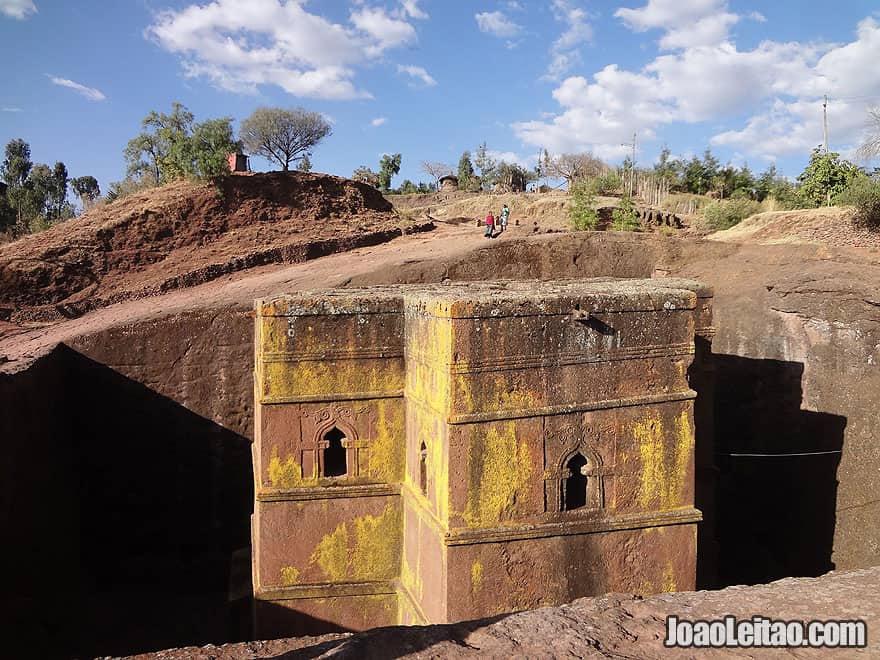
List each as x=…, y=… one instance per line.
x=430, y=454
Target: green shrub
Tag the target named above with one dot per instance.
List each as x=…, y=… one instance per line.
x=788, y=197
x=724, y=214
x=624, y=216
x=607, y=183
x=864, y=194
x=582, y=210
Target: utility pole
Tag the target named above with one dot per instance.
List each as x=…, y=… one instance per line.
x=825, y=122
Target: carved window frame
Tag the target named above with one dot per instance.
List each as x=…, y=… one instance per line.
x=555, y=482
x=350, y=443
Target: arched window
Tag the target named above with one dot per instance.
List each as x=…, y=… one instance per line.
x=575, y=489
x=423, y=468
x=335, y=462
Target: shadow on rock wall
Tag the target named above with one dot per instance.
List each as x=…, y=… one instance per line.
x=133, y=515
x=777, y=473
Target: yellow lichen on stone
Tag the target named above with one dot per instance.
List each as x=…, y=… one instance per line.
x=411, y=580
x=668, y=578
x=388, y=451
x=289, y=576
x=499, y=472
x=649, y=439
x=287, y=473
x=376, y=553
x=331, y=554
x=664, y=472
x=476, y=577
x=314, y=377
x=684, y=450
x=370, y=552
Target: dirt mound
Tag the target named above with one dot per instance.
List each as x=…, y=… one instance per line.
x=184, y=234
x=828, y=226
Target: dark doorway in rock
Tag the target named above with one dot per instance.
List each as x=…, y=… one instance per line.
x=575, y=496
x=335, y=463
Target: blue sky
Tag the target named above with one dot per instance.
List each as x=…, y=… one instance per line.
x=431, y=78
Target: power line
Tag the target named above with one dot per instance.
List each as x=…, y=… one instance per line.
x=805, y=453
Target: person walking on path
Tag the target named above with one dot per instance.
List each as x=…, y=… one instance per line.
x=505, y=214
x=490, y=225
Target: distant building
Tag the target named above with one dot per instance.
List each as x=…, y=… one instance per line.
x=448, y=183
x=238, y=163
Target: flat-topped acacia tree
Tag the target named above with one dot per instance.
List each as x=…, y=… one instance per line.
x=283, y=136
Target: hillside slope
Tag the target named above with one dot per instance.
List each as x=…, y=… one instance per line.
x=184, y=234
x=827, y=226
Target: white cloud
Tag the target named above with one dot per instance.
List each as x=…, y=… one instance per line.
x=411, y=8
x=239, y=46
x=687, y=23
x=378, y=121
x=10, y=109
x=513, y=157
x=758, y=17
x=565, y=52
x=385, y=31
x=778, y=86
x=90, y=93
x=417, y=73
x=19, y=9
x=496, y=23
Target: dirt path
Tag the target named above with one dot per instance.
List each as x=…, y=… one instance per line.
x=238, y=290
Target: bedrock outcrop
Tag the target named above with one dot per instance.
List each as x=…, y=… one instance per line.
x=613, y=626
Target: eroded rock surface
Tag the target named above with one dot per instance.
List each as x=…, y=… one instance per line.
x=613, y=626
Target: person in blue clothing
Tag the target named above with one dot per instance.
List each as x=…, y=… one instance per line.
x=505, y=214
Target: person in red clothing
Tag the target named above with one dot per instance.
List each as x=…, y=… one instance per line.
x=490, y=225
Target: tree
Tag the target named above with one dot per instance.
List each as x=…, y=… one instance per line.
x=283, y=136
x=512, y=177
x=365, y=175
x=57, y=198
x=870, y=147
x=172, y=146
x=305, y=164
x=487, y=166
x=210, y=145
x=407, y=188
x=389, y=165
x=695, y=178
x=7, y=213
x=86, y=188
x=15, y=170
x=39, y=187
x=161, y=153
x=467, y=179
x=572, y=166
x=711, y=166
x=436, y=170
x=668, y=169
x=825, y=176
x=765, y=182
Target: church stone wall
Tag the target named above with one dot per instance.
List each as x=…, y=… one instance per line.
x=506, y=445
